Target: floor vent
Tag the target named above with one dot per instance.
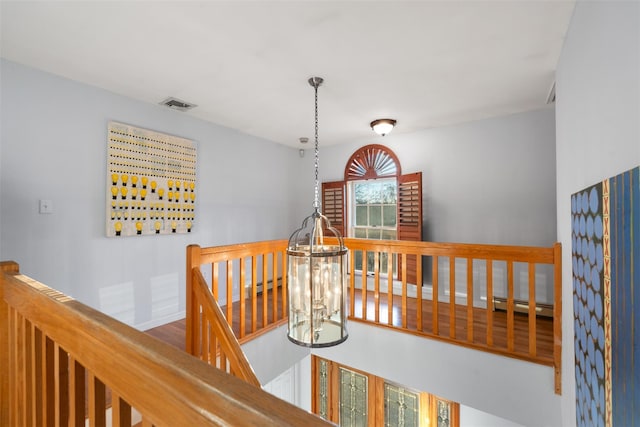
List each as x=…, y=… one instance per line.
x=177, y=104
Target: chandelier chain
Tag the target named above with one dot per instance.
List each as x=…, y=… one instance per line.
x=316, y=200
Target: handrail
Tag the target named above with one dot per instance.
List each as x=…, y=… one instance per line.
x=441, y=317
x=53, y=341
x=219, y=345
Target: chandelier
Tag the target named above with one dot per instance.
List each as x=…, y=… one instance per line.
x=317, y=275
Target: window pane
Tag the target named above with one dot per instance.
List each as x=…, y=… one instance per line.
x=389, y=217
x=353, y=399
x=360, y=189
x=373, y=233
x=360, y=232
x=401, y=406
x=375, y=215
x=361, y=215
x=388, y=234
x=389, y=192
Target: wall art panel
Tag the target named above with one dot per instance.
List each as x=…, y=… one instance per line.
x=606, y=306
x=151, y=182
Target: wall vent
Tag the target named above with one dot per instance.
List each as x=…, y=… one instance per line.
x=177, y=104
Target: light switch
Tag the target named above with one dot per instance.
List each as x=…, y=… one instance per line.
x=46, y=206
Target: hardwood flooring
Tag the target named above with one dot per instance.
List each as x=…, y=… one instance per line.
x=174, y=333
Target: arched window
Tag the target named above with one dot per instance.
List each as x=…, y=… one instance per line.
x=375, y=201
x=371, y=162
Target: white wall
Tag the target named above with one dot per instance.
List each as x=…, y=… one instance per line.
x=598, y=127
x=511, y=389
x=488, y=181
x=53, y=144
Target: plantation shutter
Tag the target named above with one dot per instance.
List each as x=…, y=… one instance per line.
x=410, y=216
x=333, y=204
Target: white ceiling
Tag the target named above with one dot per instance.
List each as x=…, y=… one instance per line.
x=246, y=63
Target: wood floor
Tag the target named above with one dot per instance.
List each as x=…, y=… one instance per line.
x=174, y=333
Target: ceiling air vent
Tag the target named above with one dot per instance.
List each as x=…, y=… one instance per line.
x=177, y=104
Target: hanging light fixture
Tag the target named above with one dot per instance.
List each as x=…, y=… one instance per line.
x=317, y=274
x=382, y=126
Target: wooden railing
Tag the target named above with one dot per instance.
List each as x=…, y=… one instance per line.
x=462, y=312
x=253, y=275
x=63, y=363
x=218, y=344
x=464, y=318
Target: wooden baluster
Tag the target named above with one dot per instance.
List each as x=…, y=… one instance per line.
x=489, y=264
x=452, y=297
x=434, y=295
x=404, y=291
x=40, y=378
x=61, y=381
x=376, y=288
x=242, y=297
x=364, y=285
x=470, y=300
x=510, y=307
x=20, y=389
x=265, y=293
x=97, y=402
x=254, y=293
x=230, y=293
x=215, y=285
x=49, y=384
x=205, y=344
x=390, y=288
x=352, y=283
x=419, y=293
x=214, y=342
x=29, y=359
x=77, y=392
x=274, y=286
x=120, y=411
x=532, y=310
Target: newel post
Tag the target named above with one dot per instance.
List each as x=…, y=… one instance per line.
x=193, y=261
x=5, y=267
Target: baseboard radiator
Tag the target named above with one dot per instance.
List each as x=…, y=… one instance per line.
x=520, y=306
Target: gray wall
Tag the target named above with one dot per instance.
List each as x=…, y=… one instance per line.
x=53, y=144
x=489, y=181
x=598, y=128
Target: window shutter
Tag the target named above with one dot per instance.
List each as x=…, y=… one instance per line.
x=410, y=216
x=333, y=204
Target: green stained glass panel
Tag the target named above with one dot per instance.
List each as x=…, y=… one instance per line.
x=444, y=413
x=353, y=399
x=401, y=407
x=323, y=398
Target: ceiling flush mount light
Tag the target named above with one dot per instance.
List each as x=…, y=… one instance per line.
x=317, y=274
x=382, y=126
